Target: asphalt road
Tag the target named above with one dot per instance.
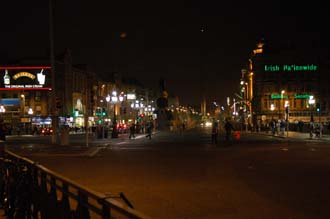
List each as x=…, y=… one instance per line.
x=185, y=176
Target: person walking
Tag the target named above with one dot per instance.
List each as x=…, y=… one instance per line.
x=132, y=131
x=215, y=132
x=228, y=128
x=149, y=127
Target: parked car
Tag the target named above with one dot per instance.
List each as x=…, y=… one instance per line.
x=46, y=131
x=122, y=128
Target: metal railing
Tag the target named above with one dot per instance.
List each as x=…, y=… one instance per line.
x=30, y=190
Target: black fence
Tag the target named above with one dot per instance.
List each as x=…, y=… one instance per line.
x=29, y=190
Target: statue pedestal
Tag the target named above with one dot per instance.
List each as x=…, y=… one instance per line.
x=162, y=120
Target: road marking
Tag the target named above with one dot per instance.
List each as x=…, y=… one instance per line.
x=94, y=151
x=124, y=142
x=284, y=149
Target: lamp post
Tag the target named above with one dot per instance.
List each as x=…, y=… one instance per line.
x=2, y=129
x=114, y=99
x=2, y=110
x=108, y=98
x=286, y=106
x=23, y=105
x=311, y=102
x=52, y=70
x=281, y=104
x=272, y=108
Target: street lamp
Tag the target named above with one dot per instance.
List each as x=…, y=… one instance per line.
x=30, y=111
x=272, y=108
x=2, y=110
x=311, y=101
x=280, y=105
x=108, y=98
x=114, y=100
x=23, y=105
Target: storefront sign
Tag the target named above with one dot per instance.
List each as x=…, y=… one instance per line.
x=278, y=96
x=302, y=96
x=290, y=68
x=131, y=96
x=25, y=78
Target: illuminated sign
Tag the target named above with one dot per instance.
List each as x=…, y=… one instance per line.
x=278, y=96
x=290, y=68
x=131, y=96
x=302, y=96
x=296, y=96
x=25, y=78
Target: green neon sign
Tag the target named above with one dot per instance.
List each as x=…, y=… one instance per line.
x=302, y=96
x=290, y=68
x=278, y=96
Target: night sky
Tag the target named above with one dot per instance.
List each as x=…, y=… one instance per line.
x=153, y=39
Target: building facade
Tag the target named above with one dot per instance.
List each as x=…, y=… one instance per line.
x=290, y=84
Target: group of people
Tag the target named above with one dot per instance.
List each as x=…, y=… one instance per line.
x=277, y=126
x=215, y=131
x=149, y=128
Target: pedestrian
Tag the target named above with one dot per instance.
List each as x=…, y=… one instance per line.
x=149, y=127
x=311, y=129
x=228, y=128
x=215, y=132
x=132, y=131
x=273, y=126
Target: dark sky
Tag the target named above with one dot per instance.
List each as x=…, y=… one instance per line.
x=163, y=37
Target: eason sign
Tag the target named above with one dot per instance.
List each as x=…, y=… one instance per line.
x=25, y=78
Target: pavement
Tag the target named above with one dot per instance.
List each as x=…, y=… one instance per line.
x=297, y=136
x=77, y=143
x=79, y=147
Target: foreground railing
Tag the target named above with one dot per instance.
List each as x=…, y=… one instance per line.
x=29, y=190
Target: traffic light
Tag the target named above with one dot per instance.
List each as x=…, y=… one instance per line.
x=318, y=107
x=104, y=113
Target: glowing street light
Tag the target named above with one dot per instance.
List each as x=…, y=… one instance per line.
x=114, y=99
x=2, y=109
x=30, y=111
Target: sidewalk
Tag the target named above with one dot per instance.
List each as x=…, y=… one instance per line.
x=292, y=135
